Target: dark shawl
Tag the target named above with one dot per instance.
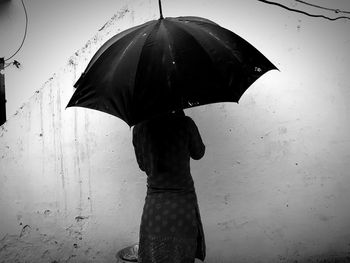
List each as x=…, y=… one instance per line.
x=171, y=228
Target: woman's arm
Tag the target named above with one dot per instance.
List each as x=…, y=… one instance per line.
x=137, y=147
x=196, y=145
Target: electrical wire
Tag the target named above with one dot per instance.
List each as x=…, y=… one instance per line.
x=303, y=12
x=325, y=8
x=25, y=32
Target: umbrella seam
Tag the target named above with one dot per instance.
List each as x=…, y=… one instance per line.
x=170, y=39
x=180, y=27
x=136, y=38
x=113, y=41
x=180, y=24
x=155, y=24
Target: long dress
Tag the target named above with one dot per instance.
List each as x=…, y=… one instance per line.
x=171, y=230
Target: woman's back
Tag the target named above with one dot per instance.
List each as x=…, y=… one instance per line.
x=163, y=147
x=171, y=230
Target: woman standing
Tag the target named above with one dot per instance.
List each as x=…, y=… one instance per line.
x=171, y=230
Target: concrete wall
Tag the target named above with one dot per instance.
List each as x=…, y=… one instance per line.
x=70, y=187
x=272, y=187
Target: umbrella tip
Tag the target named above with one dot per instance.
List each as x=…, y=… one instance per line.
x=160, y=9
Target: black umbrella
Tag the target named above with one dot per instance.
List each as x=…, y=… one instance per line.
x=168, y=64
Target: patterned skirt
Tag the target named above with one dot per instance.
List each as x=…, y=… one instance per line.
x=171, y=230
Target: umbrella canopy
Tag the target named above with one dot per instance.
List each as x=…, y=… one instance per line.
x=168, y=64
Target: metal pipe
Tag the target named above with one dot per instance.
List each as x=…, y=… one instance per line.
x=2, y=92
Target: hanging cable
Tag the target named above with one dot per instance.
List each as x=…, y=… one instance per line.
x=303, y=12
x=25, y=32
x=324, y=8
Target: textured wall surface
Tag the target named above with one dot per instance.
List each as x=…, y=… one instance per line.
x=272, y=187
x=70, y=189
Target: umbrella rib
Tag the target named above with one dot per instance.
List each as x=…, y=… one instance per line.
x=215, y=71
x=236, y=56
x=142, y=34
x=154, y=25
x=181, y=27
x=106, y=46
x=180, y=24
x=172, y=54
x=134, y=41
x=171, y=51
x=169, y=46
